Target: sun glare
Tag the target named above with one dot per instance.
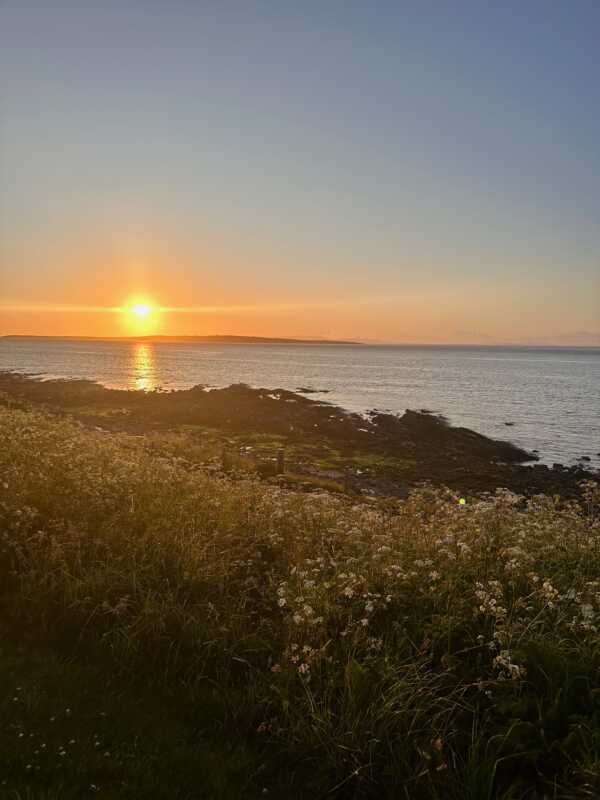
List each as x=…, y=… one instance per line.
x=140, y=316
x=141, y=310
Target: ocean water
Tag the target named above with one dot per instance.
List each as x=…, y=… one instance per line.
x=551, y=395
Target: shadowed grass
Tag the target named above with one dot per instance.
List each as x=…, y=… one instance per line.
x=72, y=730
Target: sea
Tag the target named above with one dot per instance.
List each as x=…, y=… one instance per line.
x=543, y=399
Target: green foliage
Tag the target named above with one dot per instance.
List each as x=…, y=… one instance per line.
x=415, y=649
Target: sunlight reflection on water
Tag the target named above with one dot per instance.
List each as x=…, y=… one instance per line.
x=143, y=371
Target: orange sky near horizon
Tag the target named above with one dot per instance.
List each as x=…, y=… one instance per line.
x=412, y=318
x=328, y=171
x=86, y=284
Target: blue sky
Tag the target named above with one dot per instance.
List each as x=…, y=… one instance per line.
x=399, y=171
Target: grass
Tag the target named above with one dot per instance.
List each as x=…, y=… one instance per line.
x=71, y=730
x=241, y=638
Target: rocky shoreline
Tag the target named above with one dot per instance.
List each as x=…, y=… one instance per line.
x=379, y=453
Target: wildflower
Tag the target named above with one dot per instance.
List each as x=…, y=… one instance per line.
x=503, y=663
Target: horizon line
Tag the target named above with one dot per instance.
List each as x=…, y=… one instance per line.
x=249, y=338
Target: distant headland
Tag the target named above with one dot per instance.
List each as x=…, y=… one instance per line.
x=217, y=339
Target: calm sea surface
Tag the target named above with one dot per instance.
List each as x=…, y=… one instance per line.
x=551, y=395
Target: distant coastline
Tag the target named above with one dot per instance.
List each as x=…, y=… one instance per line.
x=217, y=339
x=231, y=339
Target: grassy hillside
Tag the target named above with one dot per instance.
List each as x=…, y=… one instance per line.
x=241, y=640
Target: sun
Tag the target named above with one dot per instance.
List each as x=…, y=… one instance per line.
x=140, y=316
x=141, y=310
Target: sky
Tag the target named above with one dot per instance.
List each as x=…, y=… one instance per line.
x=388, y=171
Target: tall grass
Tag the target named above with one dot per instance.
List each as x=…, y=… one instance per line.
x=417, y=649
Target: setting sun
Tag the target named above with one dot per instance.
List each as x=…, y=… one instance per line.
x=140, y=316
x=141, y=310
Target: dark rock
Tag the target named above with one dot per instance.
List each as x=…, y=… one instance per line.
x=401, y=450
